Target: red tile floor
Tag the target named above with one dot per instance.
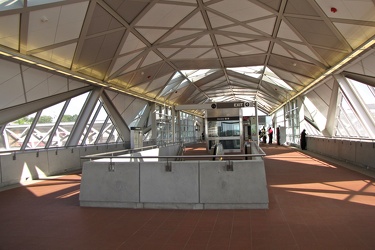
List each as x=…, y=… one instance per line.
x=314, y=204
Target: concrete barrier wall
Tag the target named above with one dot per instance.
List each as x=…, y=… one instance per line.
x=242, y=185
x=185, y=185
x=22, y=167
x=16, y=168
x=169, y=150
x=360, y=153
x=177, y=188
x=114, y=186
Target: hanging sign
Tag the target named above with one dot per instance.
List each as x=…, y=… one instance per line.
x=227, y=105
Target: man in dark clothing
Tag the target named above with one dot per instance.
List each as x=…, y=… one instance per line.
x=263, y=134
x=303, y=139
x=278, y=135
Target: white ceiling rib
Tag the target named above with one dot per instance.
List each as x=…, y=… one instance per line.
x=139, y=46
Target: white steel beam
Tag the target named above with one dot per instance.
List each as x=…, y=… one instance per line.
x=357, y=104
x=13, y=113
x=117, y=120
x=331, y=124
x=83, y=117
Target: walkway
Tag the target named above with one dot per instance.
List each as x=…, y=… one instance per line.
x=313, y=205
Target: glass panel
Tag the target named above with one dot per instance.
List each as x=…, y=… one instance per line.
x=44, y=127
x=114, y=137
x=187, y=122
x=230, y=129
x=223, y=129
x=231, y=144
x=70, y=118
x=311, y=130
x=2, y=139
x=254, y=71
x=40, y=2
x=195, y=75
x=107, y=130
x=341, y=131
x=138, y=117
x=93, y=132
x=15, y=132
x=164, y=124
x=270, y=77
x=349, y=124
x=11, y=4
x=367, y=95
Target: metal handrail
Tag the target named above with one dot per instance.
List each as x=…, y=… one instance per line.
x=91, y=157
x=342, y=138
x=121, y=151
x=111, y=155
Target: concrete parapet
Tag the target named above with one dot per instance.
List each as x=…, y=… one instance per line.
x=25, y=166
x=360, y=153
x=176, y=185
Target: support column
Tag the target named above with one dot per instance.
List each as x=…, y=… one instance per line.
x=116, y=118
x=154, y=129
x=173, y=111
x=31, y=130
x=331, y=124
x=83, y=117
x=257, y=121
x=179, y=126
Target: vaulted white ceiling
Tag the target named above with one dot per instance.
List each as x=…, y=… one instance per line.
x=191, y=51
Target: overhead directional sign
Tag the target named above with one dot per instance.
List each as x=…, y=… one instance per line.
x=215, y=105
x=228, y=105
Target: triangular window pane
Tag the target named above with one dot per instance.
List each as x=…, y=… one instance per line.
x=69, y=119
x=40, y=2
x=366, y=93
x=195, y=75
x=349, y=125
x=135, y=123
x=44, y=128
x=11, y=4
x=94, y=125
x=15, y=133
x=255, y=71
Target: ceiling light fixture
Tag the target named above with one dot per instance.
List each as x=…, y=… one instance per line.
x=23, y=60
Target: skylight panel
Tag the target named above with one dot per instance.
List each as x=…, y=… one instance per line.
x=10, y=4
x=257, y=72
x=40, y=2
x=195, y=75
x=254, y=71
x=177, y=82
x=219, y=99
x=176, y=76
x=183, y=84
x=272, y=78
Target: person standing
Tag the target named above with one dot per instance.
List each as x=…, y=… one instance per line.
x=263, y=134
x=303, y=139
x=270, y=135
x=278, y=135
